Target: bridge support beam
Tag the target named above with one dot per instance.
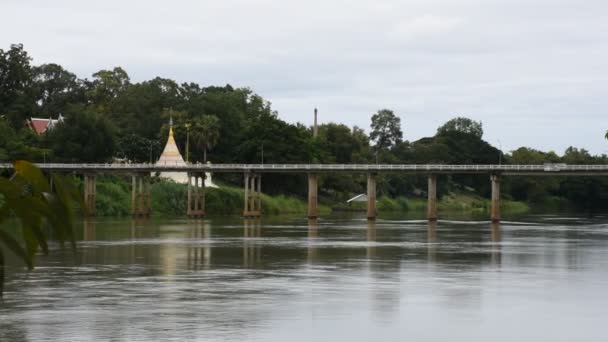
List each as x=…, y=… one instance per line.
x=90, y=194
x=432, y=198
x=253, y=195
x=196, y=195
x=371, y=196
x=495, y=205
x=140, y=195
x=313, y=186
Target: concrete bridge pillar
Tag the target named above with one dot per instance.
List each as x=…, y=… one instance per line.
x=371, y=196
x=196, y=195
x=253, y=195
x=140, y=195
x=90, y=194
x=432, y=198
x=495, y=205
x=313, y=186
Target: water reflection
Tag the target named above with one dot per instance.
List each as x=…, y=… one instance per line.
x=371, y=239
x=313, y=234
x=349, y=279
x=431, y=240
x=252, y=231
x=199, y=250
x=496, y=246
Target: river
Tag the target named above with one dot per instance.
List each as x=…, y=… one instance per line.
x=537, y=278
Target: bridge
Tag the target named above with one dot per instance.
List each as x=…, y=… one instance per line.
x=140, y=190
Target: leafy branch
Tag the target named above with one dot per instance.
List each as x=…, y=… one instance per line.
x=28, y=197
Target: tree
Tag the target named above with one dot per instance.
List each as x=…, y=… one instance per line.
x=15, y=81
x=463, y=125
x=83, y=136
x=107, y=86
x=206, y=133
x=340, y=144
x=386, y=129
x=54, y=88
x=138, y=149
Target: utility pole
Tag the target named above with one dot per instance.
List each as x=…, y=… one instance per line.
x=188, y=125
x=499, y=153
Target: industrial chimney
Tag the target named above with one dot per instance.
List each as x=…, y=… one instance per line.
x=315, y=128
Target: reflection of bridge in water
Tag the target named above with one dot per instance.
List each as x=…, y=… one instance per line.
x=140, y=173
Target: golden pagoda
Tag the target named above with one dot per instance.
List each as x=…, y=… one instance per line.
x=172, y=156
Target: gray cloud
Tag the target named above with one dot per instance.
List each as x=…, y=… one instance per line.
x=534, y=72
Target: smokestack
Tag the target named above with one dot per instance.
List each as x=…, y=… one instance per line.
x=315, y=128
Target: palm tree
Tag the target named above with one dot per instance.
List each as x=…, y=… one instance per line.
x=206, y=133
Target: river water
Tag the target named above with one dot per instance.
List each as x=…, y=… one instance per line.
x=540, y=278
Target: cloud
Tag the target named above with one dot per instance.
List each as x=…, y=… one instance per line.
x=522, y=67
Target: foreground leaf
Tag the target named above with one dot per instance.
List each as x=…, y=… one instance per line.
x=16, y=248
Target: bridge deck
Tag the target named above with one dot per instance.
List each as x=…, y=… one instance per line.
x=547, y=169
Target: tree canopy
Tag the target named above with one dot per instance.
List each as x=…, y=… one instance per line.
x=110, y=116
x=386, y=129
x=462, y=125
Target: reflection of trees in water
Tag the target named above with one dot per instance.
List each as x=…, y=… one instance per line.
x=13, y=331
x=103, y=243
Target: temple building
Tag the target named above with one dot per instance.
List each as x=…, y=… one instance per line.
x=172, y=156
x=41, y=125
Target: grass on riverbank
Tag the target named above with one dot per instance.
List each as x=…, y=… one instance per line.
x=169, y=198
x=451, y=202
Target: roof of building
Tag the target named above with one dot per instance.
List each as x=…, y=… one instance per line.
x=358, y=198
x=41, y=125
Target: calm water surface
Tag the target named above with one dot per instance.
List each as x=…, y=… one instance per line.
x=541, y=278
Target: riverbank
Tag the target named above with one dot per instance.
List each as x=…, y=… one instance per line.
x=451, y=202
x=168, y=199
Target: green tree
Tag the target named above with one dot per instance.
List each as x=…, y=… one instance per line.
x=206, y=133
x=137, y=149
x=463, y=125
x=106, y=88
x=386, y=129
x=54, y=88
x=15, y=83
x=532, y=189
x=82, y=137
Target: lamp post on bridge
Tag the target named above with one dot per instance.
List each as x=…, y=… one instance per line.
x=188, y=125
x=499, y=152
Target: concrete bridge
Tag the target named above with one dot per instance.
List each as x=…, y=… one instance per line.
x=140, y=194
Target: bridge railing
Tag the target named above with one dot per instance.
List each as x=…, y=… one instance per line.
x=545, y=168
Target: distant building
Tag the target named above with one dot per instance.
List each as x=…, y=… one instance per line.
x=358, y=198
x=40, y=125
x=172, y=156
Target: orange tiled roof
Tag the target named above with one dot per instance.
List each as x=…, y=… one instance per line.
x=39, y=125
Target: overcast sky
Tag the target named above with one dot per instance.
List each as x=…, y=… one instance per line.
x=534, y=72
